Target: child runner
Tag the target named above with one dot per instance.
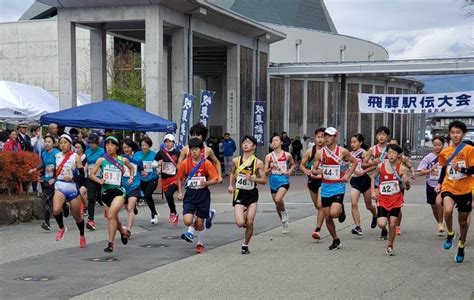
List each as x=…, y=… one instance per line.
x=247, y=172
x=167, y=158
x=331, y=158
x=314, y=181
x=93, y=188
x=280, y=165
x=112, y=167
x=392, y=176
x=196, y=173
x=429, y=167
x=455, y=184
x=360, y=183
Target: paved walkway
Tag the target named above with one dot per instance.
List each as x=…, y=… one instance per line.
x=157, y=264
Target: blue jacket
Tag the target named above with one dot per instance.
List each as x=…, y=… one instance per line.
x=229, y=147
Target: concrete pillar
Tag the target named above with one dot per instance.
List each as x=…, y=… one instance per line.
x=326, y=100
x=179, y=70
x=154, y=65
x=98, y=65
x=286, y=105
x=67, y=60
x=373, y=121
x=305, y=109
x=233, y=91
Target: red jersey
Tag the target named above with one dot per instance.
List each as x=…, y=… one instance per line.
x=390, y=192
x=331, y=165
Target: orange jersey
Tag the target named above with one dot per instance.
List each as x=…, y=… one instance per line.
x=455, y=182
x=206, y=169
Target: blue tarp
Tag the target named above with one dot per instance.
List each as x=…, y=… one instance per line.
x=111, y=115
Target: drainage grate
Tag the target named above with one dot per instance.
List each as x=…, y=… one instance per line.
x=223, y=222
x=104, y=259
x=154, y=246
x=171, y=237
x=35, y=278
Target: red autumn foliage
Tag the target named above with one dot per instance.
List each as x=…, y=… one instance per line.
x=14, y=167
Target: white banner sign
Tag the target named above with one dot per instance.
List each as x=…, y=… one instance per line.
x=416, y=103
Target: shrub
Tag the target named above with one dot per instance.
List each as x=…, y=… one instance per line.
x=14, y=168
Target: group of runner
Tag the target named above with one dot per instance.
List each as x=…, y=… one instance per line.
x=380, y=173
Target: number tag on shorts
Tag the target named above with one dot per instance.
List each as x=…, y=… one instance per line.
x=195, y=182
x=243, y=183
x=434, y=175
x=455, y=175
x=331, y=172
x=148, y=166
x=49, y=171
x=389, y=188
x=127, y=171
x=168, y=168
x=112, y=175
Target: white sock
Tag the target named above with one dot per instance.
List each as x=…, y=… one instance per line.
x=200, y=236
x=191, y=229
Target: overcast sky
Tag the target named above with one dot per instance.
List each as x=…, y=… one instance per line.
x=407, y=28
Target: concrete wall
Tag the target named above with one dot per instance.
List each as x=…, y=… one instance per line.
x=318, y=46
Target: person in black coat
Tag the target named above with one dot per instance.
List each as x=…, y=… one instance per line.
x=23, y=138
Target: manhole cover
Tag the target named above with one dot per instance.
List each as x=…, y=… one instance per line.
x=171, y=237
x=35, y=278
x=103, y=259
x=223, y=222
x=154, y=246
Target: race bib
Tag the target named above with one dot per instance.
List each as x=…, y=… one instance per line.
x=279, y=168
x=455, y=175
x=434, y=175
x=49, y=171
x=331, y=172
x=195, y=182
x=243, y=183
x=65, y=172
x=358, y=169
x=168, y=168
x=112, y=175
x=127, y=171
x=99, y=171
x=148, y=166
x=389, y=188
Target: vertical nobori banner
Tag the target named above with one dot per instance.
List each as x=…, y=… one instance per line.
x=206, y=106
x=186, y=111
x=259, y=122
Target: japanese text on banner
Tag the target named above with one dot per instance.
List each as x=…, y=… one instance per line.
x=206, y=105
x=259, y=122
x=186, y=111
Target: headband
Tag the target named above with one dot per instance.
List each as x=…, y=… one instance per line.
x=67, y=137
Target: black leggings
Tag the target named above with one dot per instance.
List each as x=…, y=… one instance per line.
x=148, y=187
x=47, y=199
x=93, y=195
x=170, y=199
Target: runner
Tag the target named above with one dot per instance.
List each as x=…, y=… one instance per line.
x=333, y=169
x=80, y=148
x=455, y=184
x=280, y=165
x=149, y=177
x=200, y=131
x=112, y=169
x=65, y=188
x=314, y=182
x=374, y=156
x=360, y=183
x=48, y=167
x=93, y=188
x=167, y=158
x=197, y=173
x=247, y=172
x=430, y=168
x=392, y=177
x=132, y=190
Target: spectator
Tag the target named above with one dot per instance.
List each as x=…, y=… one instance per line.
x=3, y=138
x=53, y=130
x=407, y=148
x=310, y=143
x=37, y=141
x=229, y=149
x=61, y=130
x=12, y=143
x=296, y=146
x=23, y=138
x=73, y=133
x=286, y=142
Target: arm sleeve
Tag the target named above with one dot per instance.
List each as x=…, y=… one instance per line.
x=79, y=176
x=441, y=176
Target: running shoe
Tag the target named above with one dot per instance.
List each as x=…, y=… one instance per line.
x=440, y=229
x=110, y=247
x=60, y=233
x=336, y=244
x=175, y=220
x=390, y=251
x=315, y=235
x=459, y=258
x=46, y=226
x=154, y=219
x=65, y=210
x=170, y=218
x=82, y=241
x=383, y=234
x=285, y=227
x=212, y=213
x=448, y=244
x=398, y=230
x=135, y=210
x=199, y=248
x=284, y=216
x=124, y=236
x=342, y=216
x=374, y=222
x=245, y=250
x=187, y=236
x=357, y=230
x=90, y=225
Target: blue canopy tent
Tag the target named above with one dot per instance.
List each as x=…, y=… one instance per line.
x=109, y=114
